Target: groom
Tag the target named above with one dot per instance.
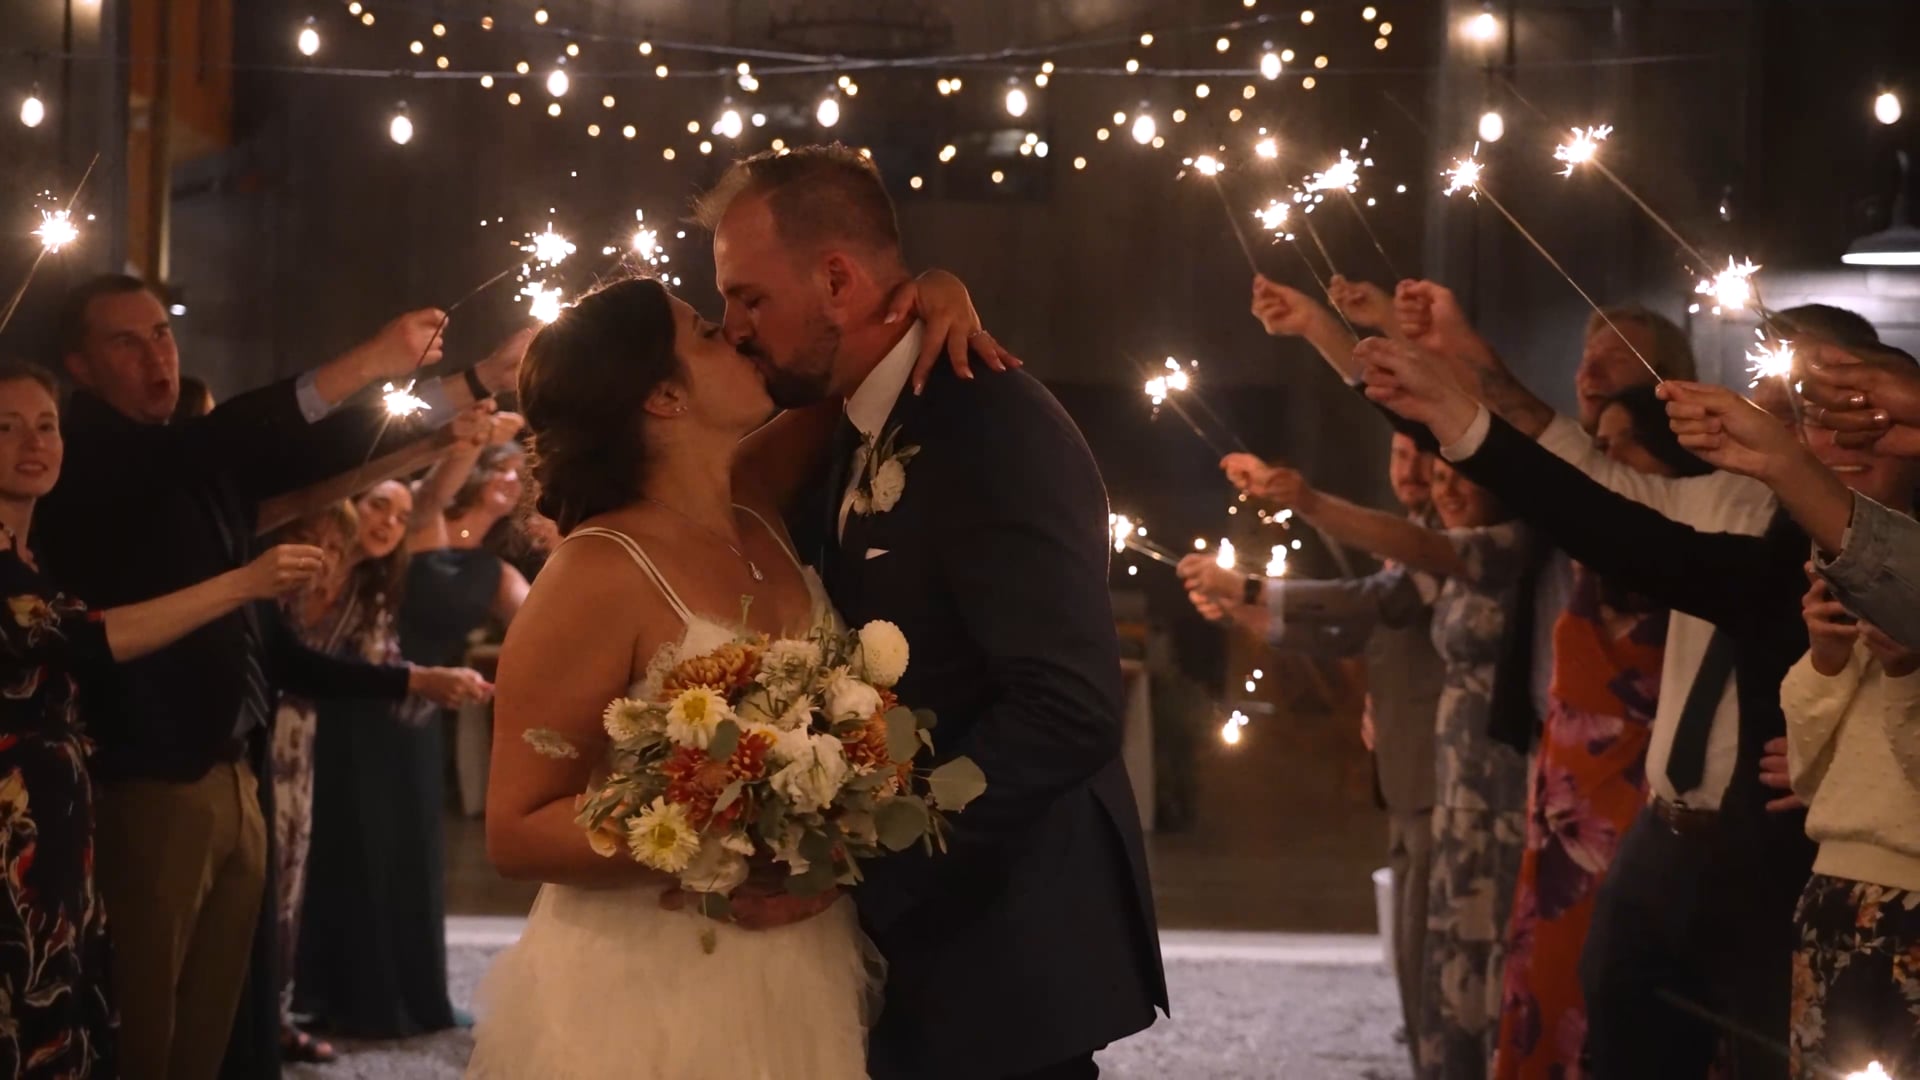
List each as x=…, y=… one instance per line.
x=979, y=528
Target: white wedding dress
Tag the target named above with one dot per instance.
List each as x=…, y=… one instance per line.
x=606, y=984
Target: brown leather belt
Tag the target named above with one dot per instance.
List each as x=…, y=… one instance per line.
x=1685, y=821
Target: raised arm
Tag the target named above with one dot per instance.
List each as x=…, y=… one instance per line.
x=134, y=630
x=282, y=510
x=1286, y=312
x=1387, y=536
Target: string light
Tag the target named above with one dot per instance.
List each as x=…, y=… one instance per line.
x=1887, y=108
x=1268, y=148
x=828, y=114
x=1306, y=17
x=540, y=16
x=730, y=124
x=1079, y=164
x=513, y=97
x=1270, y=66
x=1222, y=45
x=1144, y=128
x=558, y=84
x=1016, y=102
x=400, y=128
x=554, y=110
x=439, y=29
x=33, y=111
x=948, y=153
x=1202, y=90
x=1483, y=28
x=1369, y=13
x=630, y=131
x=1493, y=126
x=309, y=40
x=607, y=102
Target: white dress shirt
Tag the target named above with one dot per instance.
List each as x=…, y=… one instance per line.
x=1716, y=502
x=871, y=404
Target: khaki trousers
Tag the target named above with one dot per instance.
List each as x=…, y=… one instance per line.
x=182, y=867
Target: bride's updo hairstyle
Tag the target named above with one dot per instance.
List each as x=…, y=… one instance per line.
x=583, y=390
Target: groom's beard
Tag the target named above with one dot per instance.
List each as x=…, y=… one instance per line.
x=806, y=379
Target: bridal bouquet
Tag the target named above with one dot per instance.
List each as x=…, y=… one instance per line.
x=792, y=751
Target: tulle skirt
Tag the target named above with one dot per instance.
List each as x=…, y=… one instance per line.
x=607, y=984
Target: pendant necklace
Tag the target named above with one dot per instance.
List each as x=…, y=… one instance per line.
x=752, y=567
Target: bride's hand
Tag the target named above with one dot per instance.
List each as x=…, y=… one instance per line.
x=943, y=303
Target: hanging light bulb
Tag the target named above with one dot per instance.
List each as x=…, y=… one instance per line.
x=33, y=110
x=558, y=84
x=1484, y=28
x=730, y=124
x=400, y=129
x=829, y=112
x=1886, y=108
x=1016, y=102
x=309, y=40
x=1270, y=65
x=1144, y=128
x=1493, y=126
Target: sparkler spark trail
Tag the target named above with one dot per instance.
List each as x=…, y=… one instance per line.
x=1732, y=288
x=1342, y=175
x=548, y=248
x=1277, y=561
x=402, y=401
x=1467, y=174
x=1129, y=535
x=56, y=230
x=1228, y=559
x=1770, y=360
x=1274, y=218
x=1584, y=148
x=543, y=303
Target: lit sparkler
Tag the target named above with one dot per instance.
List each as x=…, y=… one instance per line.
x=1342, y=175
x=548, y=248
x=1873, y=1071
x=1274, y=218
x=1584, y=147
x=1770, y=359
x=1230, y=731
x=543, y=303
x=1267, y=148
x=1465, y=175
x=1207, y=165
x=57, y=229
x=1130, y=535
x=1277, y=562
x=1732, y=288
x=402, y=401
x=1161, y=387
x=1227, y=559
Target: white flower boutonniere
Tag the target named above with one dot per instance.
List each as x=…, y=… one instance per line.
x=882, y=468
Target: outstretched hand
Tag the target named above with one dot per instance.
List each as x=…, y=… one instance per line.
x=1287, y=312
x=942, y=302
x=1869, y=405
x=1414, y=383
x=1726, y=430
x=1365, y=304
x=1276, y=483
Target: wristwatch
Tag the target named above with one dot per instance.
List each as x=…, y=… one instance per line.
x=480, y=391
x=1250, y=594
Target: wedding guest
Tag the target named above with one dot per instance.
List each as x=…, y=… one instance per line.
x=371, y=955
x=310, y=626
x=196, y=399
x=1852, y=708
x=1588, y=777
x=1388, y=617
x=59, y=1012
x=1480, y=785
x=179, y=732
x=1696, y=916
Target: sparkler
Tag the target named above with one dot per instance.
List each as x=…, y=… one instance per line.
x=56, y=231
x=1277, y=562
x=401, y=401
x=1227, y=558
x=1732, y=288
x=1169, y=388
x=1129, y=535
x=1584, y=148
x=1873, y=1071
x=1769, y=360
x=1230, y=731
x=1466, y=175
x=1344, y=176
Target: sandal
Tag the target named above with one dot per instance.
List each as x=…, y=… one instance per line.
x=298, y=1046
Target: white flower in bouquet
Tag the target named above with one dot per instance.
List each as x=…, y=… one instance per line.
x=695, y=715
x=656, y=674
x=786, y=848
x=755, y=710
x=787, y=664
x=811, y=781
x=719, y=867
x=883, y=653
x=790, y=745
x=848, y=698
x=626, y=720
x=662, y=838
x=889, y=482
x=797, y=717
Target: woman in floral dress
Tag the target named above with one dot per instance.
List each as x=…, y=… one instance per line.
x=1479, y=815
x=1589, y=774
x=56, y=1014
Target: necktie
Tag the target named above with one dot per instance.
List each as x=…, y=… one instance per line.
x=1687, y=763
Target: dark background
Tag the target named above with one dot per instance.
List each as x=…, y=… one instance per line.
x=301, y=227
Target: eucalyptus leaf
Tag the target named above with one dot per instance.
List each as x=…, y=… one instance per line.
x=727, y=797
x=872, y=781
x=818, y=879
x=902, y=742
x=817, y=848
x=928, y=721
x=901, y=822
x=956, y=784
x=773, y=814
x=726, y=738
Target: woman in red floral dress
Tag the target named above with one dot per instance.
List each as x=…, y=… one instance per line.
x=56, y=1016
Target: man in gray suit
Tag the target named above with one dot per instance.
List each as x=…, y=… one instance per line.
x=1386, y=615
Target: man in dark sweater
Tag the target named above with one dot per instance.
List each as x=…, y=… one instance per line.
x=145, y=506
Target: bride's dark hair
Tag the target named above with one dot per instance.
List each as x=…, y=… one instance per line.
x=583, y=389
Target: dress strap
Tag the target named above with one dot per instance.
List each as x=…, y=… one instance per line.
x=653, y=572
x=778, y=536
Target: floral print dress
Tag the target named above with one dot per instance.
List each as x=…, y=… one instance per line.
x=1479, y=814
x=56, y=1012
x=1589, y=782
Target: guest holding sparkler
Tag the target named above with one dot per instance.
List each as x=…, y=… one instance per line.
x=179, y=731
x=1480, y=786
x=60, y=1011
x=1388, y=616
x=1852, y=708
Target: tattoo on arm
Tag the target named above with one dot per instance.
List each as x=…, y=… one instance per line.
x=1512, y=401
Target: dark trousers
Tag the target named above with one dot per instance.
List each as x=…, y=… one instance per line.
x=1692, y=941
x=1076, y=1069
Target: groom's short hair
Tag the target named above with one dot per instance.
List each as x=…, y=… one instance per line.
x=820, y=196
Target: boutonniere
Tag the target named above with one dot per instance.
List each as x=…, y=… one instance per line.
x=882, y=470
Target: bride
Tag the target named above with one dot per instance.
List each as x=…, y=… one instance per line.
x=640, y=413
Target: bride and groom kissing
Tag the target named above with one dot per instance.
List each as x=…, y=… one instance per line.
x=966, y=511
